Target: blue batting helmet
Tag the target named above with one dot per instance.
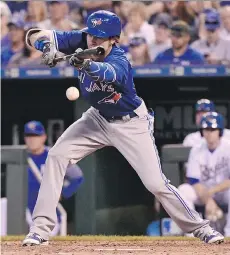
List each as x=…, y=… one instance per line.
x=212, y=120
x=205, y=105
x=103, y=24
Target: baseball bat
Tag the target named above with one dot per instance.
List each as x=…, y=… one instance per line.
x=97, y=51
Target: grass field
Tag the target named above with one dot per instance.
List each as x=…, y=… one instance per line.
x=100, y=245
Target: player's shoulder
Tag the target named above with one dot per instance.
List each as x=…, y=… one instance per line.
x=225, y=143
x=117, y=53
x=72, y=33
x=199, y=148
x=192, y=139
x=118, y=56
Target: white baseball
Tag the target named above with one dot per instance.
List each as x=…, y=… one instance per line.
x=72, y=93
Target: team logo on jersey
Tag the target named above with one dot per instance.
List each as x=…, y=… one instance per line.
x=96, y=22
x=111, y=99
x=220, y=168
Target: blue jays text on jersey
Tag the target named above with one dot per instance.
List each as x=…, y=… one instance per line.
x=107, y=85
x=71, y=181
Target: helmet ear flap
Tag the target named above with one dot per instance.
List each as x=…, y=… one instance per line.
x=221, y=132
x=201, y=132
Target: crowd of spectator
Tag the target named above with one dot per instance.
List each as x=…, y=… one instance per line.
x=153, y=32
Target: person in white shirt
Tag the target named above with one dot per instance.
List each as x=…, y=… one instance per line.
x=58, y=20
x=202, y=106
x=208, y=170
x=215, y=49
x=138, y=51
x=137, y=25
x=225, y=18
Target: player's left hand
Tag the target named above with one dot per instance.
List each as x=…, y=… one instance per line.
x=49, y=53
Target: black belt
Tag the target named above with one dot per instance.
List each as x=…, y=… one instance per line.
x=124, y=118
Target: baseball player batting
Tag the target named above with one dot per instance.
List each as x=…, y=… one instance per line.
x=117, y=117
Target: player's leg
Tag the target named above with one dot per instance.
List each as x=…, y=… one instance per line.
x=79, y=140
x=137, y=145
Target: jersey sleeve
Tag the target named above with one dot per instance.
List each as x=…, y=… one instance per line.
x=187, y=141
x=114, y=71
x=68, y=42
x=193, y=166
x=121, y=70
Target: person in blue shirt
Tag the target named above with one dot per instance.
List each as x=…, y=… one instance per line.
x=16, y=37
x=180, y=53
x=35, y=138
x=117, y=117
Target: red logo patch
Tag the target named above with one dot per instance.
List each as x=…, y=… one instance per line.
x=96, y=22
x=111, y=99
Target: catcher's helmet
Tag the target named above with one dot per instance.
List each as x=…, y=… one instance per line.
x=103, y=24
x=212, y=120
x=205, y=105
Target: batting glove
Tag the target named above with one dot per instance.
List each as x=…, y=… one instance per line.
x=78, y=62
x=49, y=53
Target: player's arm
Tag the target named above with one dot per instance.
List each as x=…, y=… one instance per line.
x=73, y=179
x=66, y=42
x=51, y=42
x=223, y=185
x=220, y=187
x=115, y=71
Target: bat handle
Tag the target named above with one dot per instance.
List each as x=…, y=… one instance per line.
x=64, y=58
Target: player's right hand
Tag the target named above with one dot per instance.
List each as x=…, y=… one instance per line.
x=49, y=53
x=212, y=211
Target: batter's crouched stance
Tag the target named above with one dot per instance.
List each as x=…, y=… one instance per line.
x=116, y=111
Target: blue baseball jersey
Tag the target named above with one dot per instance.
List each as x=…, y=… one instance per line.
x=190, y=57
x=108, y=86
x=71, y=182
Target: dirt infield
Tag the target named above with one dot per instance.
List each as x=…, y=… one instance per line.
x=105, y=247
